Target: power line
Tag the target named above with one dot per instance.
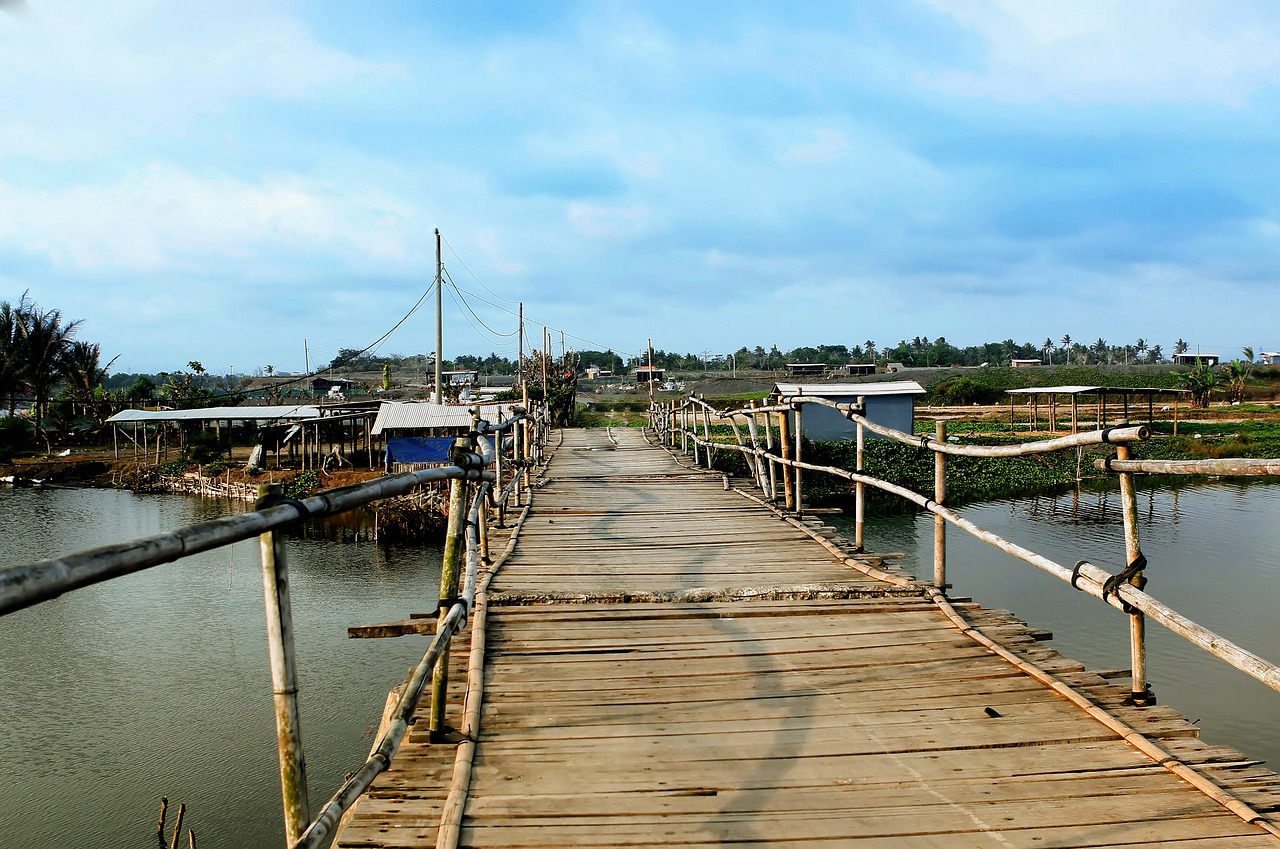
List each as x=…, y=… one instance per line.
x=473, y=274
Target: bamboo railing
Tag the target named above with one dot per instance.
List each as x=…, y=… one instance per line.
x=1123, y=591
x=476, y=464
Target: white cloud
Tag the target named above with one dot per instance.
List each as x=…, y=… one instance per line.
x=161, y=217
x=83, y=80
x=1118, y=51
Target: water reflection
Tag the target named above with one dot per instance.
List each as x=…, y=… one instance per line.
x=1211, y=549
x=157, y=683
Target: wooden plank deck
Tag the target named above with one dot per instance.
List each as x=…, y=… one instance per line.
x=866, y=720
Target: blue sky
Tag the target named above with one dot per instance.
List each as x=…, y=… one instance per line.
x=221, y=181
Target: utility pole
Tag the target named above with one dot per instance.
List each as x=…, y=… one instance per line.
x=546, y=353
x=439, y=320
x=306, y=357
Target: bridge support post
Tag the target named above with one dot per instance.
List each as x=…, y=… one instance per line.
x=799, y=435
x=284, y=674
x=940, y=524
x=1140, y=692
x=860, y=489
x=450, y=573
x=784, y=442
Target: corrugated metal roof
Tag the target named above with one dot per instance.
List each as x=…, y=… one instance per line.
x=850, y=390
x=208, y=414
x=393, y=415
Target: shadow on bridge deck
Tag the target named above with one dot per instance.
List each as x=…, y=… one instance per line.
x=668, y=663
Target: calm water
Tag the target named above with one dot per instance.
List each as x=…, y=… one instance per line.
x=1214, y=555
x=157, y=683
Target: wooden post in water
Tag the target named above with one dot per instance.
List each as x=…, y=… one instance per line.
x=450, y=574
x=284, y=674
x=939, y=523
x=1141, y=695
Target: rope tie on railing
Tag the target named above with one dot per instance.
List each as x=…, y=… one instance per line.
x=1132, y=571
x=275, y=499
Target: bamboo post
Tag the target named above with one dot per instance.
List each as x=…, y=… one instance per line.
x=773, y=466
x=706, y=431
x=1175, y=414
x=1075, y=410
x=754, y=463
x=284, y=673
x=1141, y=695
x=799, y=436
x=1053, y=412
x=939, y=523
x=860, y=489
x=784, y=443
x=684, y=430
x=762, y=477
x=177, y=825
x=450, y=572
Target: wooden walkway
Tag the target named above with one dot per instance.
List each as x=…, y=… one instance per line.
x=635, y=709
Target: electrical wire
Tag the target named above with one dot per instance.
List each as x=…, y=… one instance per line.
x=473, y=274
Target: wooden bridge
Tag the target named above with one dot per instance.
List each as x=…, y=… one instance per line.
x=659, y=661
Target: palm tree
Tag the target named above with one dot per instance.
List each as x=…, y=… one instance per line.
x=1180, y=347
x=1141, y=348
x=1157, y=354
x=870, y=345
x=1066, y=348
x=84, y=375
x=12, y=360
x=1100, y=348
x=1047, y=347
x=1247, y=351
x=45, y=340
x=1201, y=381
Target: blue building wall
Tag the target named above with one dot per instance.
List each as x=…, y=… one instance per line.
x=828, y=425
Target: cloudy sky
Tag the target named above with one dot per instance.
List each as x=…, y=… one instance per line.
x=222, y=181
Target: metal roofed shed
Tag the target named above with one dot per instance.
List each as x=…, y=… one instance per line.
x=889, y=403
x=1100, y=418
x=415, y=416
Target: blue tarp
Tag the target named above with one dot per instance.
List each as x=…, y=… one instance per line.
x=421, y=449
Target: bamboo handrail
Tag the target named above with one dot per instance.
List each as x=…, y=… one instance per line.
x=1087, y=577
x=1241, y=466
x=24, y=586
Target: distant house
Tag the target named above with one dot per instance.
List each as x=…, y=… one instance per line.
x=1196, y=359
x=893, y=368
x=595, y=372
x=324, y=384
x=1271, y=358
x=1025, y=363
x=889, y=403
x=648, y=374
x=855, y=369
x=798, y=369
x=460, y=377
